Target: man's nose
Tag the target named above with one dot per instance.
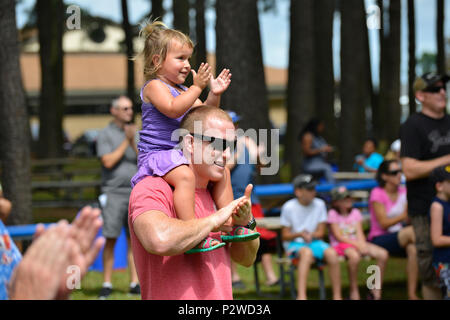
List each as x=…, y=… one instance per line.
x=226, y=154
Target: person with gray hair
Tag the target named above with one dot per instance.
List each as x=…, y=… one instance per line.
x=116, y=148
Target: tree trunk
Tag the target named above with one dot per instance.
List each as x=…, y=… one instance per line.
x=200, y=39
x=14, y=127
x=131, y=90
x=412, y=55
x=238, y=48
x=353, y=87
x=301, y=81
x=324, y=80
x=440, y=38
x=157, y=10
x=390, y=92
x=180, y=10
x=50, y=20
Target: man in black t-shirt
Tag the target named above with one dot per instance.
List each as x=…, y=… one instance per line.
x=425, y=145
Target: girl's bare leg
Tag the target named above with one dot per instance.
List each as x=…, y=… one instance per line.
x=183, y=180
x=334, y=269
x=354, y=258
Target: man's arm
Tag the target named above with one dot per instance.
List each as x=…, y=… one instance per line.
x=244, y=253
x=109, y=160
x=416, y=169
x=165, y=236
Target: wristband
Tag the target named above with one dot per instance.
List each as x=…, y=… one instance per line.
x=251, y=224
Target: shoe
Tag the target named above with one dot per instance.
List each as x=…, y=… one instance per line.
x=238, y=285
x=135, y=290
x=275, y=283
x=105, y=292
x=205, y=246
x=246, y=235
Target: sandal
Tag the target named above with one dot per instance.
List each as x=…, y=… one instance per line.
x=247, y=235
x=205, y=246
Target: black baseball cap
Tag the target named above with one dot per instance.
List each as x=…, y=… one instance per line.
x=304, y=181
x=440, y=174
x=428, y=80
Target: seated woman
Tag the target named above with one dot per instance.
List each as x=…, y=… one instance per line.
x=388, y=211
x=315, y=150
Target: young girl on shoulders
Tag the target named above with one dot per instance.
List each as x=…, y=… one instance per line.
x=348, y=239
x=165, y=101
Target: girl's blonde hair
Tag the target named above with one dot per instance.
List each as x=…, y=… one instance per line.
x=157, y=41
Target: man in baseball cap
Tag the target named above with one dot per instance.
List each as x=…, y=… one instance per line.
x=428, y=82
x=425, y=146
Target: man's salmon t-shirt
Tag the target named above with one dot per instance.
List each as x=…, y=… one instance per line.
x=198, y=276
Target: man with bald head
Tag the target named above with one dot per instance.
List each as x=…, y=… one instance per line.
x=116, y=148
x=159, y=239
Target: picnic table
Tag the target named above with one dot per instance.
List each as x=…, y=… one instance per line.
x=65, y=181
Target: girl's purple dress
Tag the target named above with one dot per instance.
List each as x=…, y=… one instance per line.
x=157, y=153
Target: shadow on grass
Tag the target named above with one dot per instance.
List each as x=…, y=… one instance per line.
x=394, y=290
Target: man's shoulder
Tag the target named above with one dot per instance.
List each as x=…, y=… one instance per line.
x=106, y=130
x=154, y=184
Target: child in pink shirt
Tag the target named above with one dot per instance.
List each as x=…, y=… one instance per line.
x=348, y=239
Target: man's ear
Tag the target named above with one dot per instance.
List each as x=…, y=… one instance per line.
x=420, y=96
x=188, y=144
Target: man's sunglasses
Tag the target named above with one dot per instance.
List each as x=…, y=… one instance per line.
x=394, y=172
x=435, y=89
x=217, y=143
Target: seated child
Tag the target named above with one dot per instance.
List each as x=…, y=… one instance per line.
x=440, y=227
x=348, y=239
x=304, y=222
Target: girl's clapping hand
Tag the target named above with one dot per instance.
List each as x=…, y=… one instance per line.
x=221, y=83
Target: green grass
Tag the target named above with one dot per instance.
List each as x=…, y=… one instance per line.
x=394, y=285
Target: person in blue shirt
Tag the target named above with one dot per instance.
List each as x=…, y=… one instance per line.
x=440, y=227
x=369, y=160
x=9, y=253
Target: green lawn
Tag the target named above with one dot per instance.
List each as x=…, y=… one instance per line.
x=394, y=286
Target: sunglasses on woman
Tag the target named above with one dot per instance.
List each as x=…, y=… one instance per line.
x=217, y=143
x=394, y=172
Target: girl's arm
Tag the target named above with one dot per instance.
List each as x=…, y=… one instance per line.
x=217, y=87
x=334, y=228
x=437, y=238
x=382, y=218
x=360, y=232
x=159, y=94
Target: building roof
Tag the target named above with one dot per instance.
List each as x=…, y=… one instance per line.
x=99, y=70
